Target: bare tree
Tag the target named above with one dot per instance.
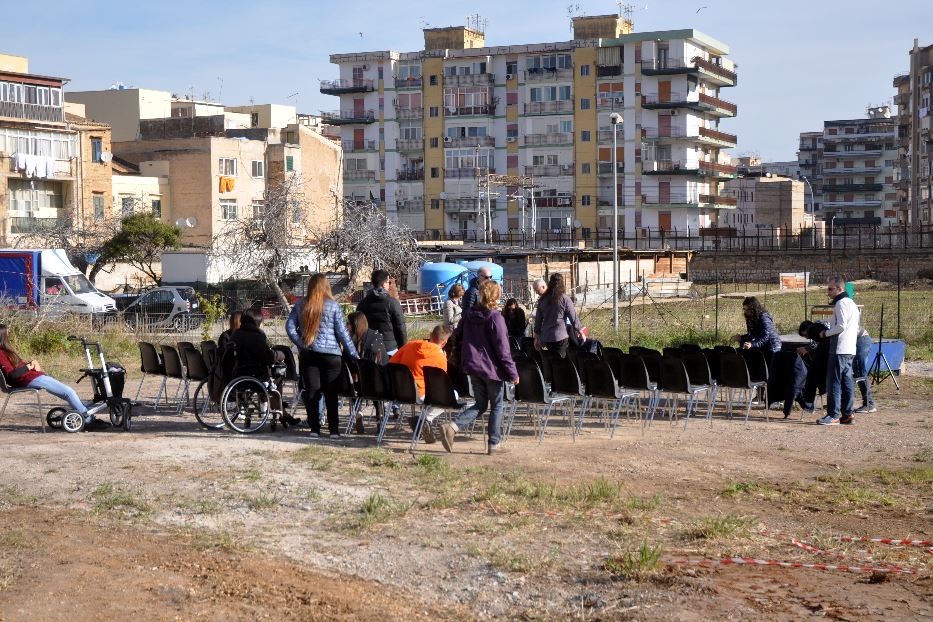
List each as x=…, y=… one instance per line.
x=83, y=243
x=271, y=242
x=364, y=239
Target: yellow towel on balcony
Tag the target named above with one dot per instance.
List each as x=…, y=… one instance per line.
x=226, y=184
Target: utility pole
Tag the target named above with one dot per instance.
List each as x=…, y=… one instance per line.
x=616, y=119
x=479, y=195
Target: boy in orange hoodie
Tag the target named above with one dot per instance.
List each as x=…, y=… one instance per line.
x=418, y=354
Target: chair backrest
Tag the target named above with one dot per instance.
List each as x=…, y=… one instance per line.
x=712, y=360
x=564, y=377
x=172, y=362
x=527, y=344
x=181, y=345
x=197, y=367
x=733, y=372
x=632, y=373
x=291, y=369
x=599, y=379
x=580, y=357
x=669, y=351
x=439, y=389
x=642, y=351
x=345, y=385
x=698, y=370
x=149, y=359
x=725, y=349
x=209, y=345
x=530, y=388
x=402, y=381
x=374, y=382
x=653, y=365
x=614, y=357
x=674, y=377
x=690, y=347
x=757, y=365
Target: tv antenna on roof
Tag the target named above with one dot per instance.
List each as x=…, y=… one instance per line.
x=574, y=11
x=626, y=10
x=477, y=23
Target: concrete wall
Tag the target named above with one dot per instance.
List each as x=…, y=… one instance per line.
x=95, y=178
x=14, y=64
x=270, y=115
x=143, y=190
x=123, y=109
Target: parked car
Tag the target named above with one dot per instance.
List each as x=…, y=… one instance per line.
x=174, y=308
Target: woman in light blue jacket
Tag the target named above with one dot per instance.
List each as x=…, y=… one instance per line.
x=317, y=326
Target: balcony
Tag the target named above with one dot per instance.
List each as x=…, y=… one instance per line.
x=548, y=74
x=608, y=71
x=470, y=111
x=719, y=138
x=851, y=155
x=361, y=176
x=605, y=136
x=359, y=146
x=408, y=83
x=557, y=201
x=682, y=167
x=409, y=113
x=414, y=204
x=64, y=169
x=851, y=204
x=473, y=79
x=610, y=103
x=409, y=144
x=829, y=172
x=562, y=106
x=807, y=147
x=715, y=73
x=463, y=173
x=670, y=200
x=462, y=204
x=348, y=117
x=550, y=170
x=469, y=141
x=861, y=137
x=718, y=106
x=555, y=139
x=666, y=66
x=410, y=175
x=716, y=200
x=32, y=112
x=853, y=187
x=29, y=224
x=339, y=87
x=604, y=169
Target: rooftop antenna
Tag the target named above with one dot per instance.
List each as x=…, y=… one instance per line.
x=220, y=95
x=190, y=93
x=574, y=11
x=477, y=23
x=627, y=10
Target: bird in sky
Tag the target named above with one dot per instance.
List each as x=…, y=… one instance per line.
x=361, y=35
x=701, y=8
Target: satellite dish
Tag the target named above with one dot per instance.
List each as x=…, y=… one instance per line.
x=106, y=156
x=191, y=222
x=577, y=224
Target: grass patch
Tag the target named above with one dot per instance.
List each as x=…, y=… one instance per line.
x=737, y=488
x=924, y=455
x=222, y=541
x=516, y=493
x=644, y=504
x=262, y=501
x=376, y=510
x=14, y=496
x=636, y=564
x=913, y=476
x=380, y=458
x=12, y=539
x=206, y=506
x=318, y=458
x=253, y=475
x=718, y=527
x=107, y=497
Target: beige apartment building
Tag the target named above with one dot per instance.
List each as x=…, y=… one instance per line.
x=914, y=99
x=218, y=160
x=766, y=201
x=421, y=129
x=54, y=165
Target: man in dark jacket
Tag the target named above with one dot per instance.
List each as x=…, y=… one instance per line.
x=472, y=294
x=384, y=313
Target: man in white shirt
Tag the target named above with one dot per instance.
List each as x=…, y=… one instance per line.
x=840, y=383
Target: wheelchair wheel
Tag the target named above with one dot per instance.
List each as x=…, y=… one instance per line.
x=206, y=410
x=245, y=405
x=127, y=415
x=72, y=422
x=54, y=417
x=116, y=415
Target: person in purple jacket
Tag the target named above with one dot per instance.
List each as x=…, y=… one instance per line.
x=486, y=358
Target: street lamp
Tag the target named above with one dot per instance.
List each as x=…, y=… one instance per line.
x=812, y=212
x=616, y=119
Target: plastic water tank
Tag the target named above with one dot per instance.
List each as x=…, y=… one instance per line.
x=440, y=277
x=498, y=273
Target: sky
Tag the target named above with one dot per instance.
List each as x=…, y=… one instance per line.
x=800, y=62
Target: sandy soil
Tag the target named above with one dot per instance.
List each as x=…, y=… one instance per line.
x=170, y=521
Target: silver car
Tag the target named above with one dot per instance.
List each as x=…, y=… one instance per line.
x=174, y=308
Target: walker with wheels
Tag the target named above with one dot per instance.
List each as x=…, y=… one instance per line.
x=108, y=381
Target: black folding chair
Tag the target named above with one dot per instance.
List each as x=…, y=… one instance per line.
x=601, y=386
x=733, y=375
x=676, y=383
x=150, y=364
x=374, y=385
x=757, y=370
x=633, y=376
x=439, y=393
x=291, y=370
x=404, y=391
x=172, y=364
x=565, y=383
x=11, y=391
x=347, y=389
x=532, y=392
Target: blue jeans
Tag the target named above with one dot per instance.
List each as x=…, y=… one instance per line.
x=488, y=394
x=860, y=366
x=840, y=388
x=59, y=389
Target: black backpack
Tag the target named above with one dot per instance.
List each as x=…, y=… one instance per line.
x=374, y=348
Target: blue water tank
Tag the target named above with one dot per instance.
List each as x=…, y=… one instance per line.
x=438, y=278
x=498, y=273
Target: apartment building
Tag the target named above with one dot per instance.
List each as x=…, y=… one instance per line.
x=53, y=164
x=851, y=167
x=218, y=160
x=420, y=130
x=914, y=99
x=766, y=201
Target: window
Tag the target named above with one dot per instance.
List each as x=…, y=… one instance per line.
x=258, y=208
x=296, y=206
x=156, y=205
x=566, y=126
x=382, y=103
x=511, y=99
x=228, y=209
x=97, y=150
x=585, y=200
x=585, y=136
x=584, y=70
x=254, y=119
x=432, y=80
x=585, y=170
x=435, y=172
x=226, y=166
x=435, y=141
x=552, y=159
x=289, y=164
x=432, y=111
x=98, y=201
x=511, y=67
x=258, y=167
x=435, y=204
x=585, y=104
x=126, y=205
x=511, y=130
x=379, y=73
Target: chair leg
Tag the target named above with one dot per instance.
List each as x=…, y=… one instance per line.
x=158, y=397
x=5, y=402
x=712, y=403
x=420, y=424
x=748, y=408
x=41, y=415
x=380, y=433
x=140, y=387
x=182, y=401
x=547, y=413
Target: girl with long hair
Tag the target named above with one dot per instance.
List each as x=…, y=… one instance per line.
x=514, y=319
x=760, y=330
x=316, y=326
x=555, y=316
x=22, y=373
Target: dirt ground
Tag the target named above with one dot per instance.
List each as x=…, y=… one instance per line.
x=173, y=522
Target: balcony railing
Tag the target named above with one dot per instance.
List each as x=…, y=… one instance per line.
x=853, y=187
x=552, y=107
x=29, y=224
x=717, y=70
x=409, y=113
x=670, y=199
x=719, y=104
x=550, y=170
x=605, y=168
x=559, y=138
x=64, y=169
x=360, y=175
x=608, y=71
x=717, y=199
x=338, y=87
x=682, y=167
x=352, y=146
x=408, y=83
x=473, y=79
x=551, y=73
x=850, y=171
x=463, y=204
x=717, y=170
x=556, y=201
x=853, y=203
x=614, y=102
x=414, y=204
x=409, y=144
x=32, y=112
x=467, y=111
x=716, y=135
x=854, y=155
x=470, y=141
x=343, y=117
x=411, y=175
x=461, y=173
